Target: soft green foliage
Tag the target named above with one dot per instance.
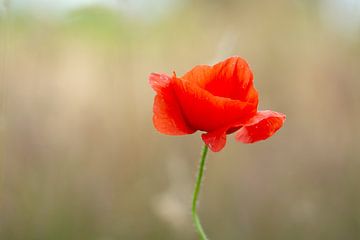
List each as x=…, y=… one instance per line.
x=95, y=23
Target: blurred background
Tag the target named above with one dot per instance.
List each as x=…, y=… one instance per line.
x=80, y=159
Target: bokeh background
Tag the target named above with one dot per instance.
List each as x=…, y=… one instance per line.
x=80, y=158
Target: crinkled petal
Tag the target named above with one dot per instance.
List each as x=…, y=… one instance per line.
x=260, y=127
x=204, y=111
x=231, y=78
x=159, y=81
x=215, y=140
x=168, y=117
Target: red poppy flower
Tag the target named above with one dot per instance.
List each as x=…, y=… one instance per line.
x=218, y=100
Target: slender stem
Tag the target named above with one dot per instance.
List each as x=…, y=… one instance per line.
x=199, y=177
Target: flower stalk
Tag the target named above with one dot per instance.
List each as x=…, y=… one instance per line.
x=197, y=188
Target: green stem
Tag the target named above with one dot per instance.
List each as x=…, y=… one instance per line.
x=199, y=177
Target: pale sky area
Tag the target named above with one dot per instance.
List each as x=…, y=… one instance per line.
x=343, y=15
x=62, y=5
x=137, y=7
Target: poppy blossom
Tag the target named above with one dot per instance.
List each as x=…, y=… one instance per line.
x=217, y=100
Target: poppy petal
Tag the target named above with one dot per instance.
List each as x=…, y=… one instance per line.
x=200, y=74
x=260, y=127
x=167, y=118
x=231, y=78
x=159, y=81
x=215, y=140
x=206, y=112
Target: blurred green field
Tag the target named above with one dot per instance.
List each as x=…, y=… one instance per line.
x=80, y=158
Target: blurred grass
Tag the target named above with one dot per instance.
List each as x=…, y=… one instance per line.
x=81, y=159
